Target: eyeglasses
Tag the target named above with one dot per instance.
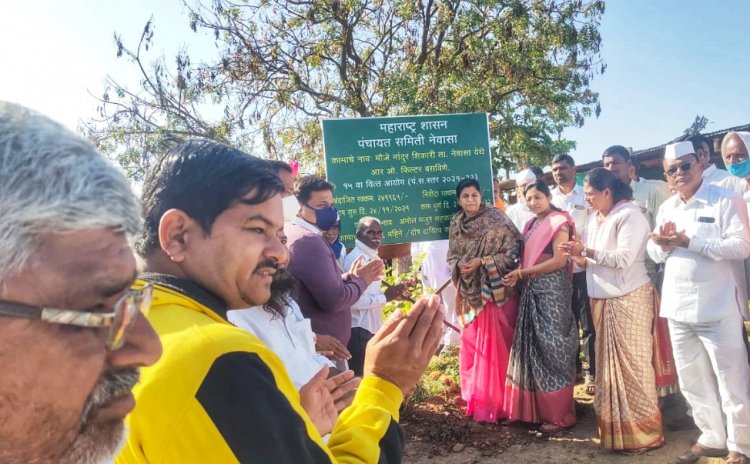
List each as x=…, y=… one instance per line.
x=124, y=313
x=684, y=167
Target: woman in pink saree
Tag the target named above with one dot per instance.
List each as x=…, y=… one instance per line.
x=541, y=370
x=483, y=247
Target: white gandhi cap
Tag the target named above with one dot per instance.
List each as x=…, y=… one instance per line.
x=677, y=150
x=525, y=177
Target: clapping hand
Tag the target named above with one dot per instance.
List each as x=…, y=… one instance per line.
x=323, y=399
x=573, y=249
x=331, y=348
x=669, y=238
x=369, y=272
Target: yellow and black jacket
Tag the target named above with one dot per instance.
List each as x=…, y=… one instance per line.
x=219, y=395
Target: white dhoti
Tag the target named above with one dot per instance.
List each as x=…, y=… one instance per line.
x=435, y=271
x=714, y=376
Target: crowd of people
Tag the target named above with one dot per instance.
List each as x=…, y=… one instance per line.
x=222, y=319
x=91, y=333
x=582, y=267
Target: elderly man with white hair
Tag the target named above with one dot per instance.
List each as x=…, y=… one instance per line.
x=734, y=151
x=702, y=234
x=519, y=213
x=72, y=336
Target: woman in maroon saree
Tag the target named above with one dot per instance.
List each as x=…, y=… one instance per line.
x=541, y=370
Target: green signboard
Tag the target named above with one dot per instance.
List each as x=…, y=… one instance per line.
x=404, y=170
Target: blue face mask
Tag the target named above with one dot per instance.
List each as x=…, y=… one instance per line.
x=741, y=169
x=325, y=217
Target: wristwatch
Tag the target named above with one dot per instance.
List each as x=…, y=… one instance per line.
x=584, y=254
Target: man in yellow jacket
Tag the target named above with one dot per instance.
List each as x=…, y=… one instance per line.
x=213, y=241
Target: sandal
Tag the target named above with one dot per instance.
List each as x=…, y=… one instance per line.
x=548, y=428
x=735, y=457
x=697, y=451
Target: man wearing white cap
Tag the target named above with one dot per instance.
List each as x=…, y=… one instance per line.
x=519, y=213
x=702, y=235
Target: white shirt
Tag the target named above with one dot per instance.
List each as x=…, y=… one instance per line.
x=575, y=204
x=735, y=184
x=434, y=256
x=289, y=336
x=714, y=175
x=519, y=214
x=306, y=225
x=367, y=312
x=617, y=267
x=649, y=196
x=704, y=282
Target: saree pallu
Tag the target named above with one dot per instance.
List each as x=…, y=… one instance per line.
x=663, y=361
x=626, y=401
x=483, y=360
x=541, y=370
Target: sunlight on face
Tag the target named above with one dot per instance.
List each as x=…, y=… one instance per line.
x=470, y=200
x=537, y=201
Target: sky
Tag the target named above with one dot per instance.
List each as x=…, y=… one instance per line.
x=667, y=61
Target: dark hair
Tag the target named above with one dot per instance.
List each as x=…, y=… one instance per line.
x=309, y=184
x=537, y=172
x=542, y=187
x=563, y=157
x=617, y=150
x=601, y=179
x=278, y=166
x=202, y=178
x=465, y=183
x=697, y=140
x=283, y=286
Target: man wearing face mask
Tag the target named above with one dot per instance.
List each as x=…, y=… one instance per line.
x=325, y=295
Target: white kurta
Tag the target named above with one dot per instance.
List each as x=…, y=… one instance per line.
x=435, y=271
x=289, y=336
x=714, y=175
x=367, y=312
x=702, y=283
x=519, y=214
x=649, y=196
x=575, y=204
x=704, y=300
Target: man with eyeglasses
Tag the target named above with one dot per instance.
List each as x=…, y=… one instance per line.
x=72, y=336
x=213, y=242
x=702, y=235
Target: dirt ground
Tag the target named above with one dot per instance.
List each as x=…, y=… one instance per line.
x=438, y=433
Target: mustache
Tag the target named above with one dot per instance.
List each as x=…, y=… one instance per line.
x=111, y=385
x=267, y=263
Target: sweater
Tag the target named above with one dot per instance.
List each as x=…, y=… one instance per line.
x=218, y=394
x=325, y=295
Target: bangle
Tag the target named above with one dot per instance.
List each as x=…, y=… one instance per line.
x=520, y=273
